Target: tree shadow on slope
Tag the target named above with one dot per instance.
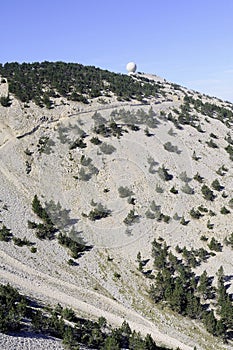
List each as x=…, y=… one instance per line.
x=59, y=216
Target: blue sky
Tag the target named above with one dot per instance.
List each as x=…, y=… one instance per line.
x=189, y=42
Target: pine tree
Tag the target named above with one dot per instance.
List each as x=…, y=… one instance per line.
x=36, y=206
x=69, y=340
x=157, y=290
x=193, y=307
x=149, y=343
x=220, y=329
x=225, y=306
x=139, y=260
x=178, y=300
x=136, y=342
x=204, y=286
x=39, y=210
x=111, y=344
x=210, y=322
x=125, y=329
x=216, y=185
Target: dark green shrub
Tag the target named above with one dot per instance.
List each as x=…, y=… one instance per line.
x=178, y=249
x=99, y=212
x=103, y=130
x=215, y=245
x=220, y=172
x=78, y=143
x=230, y=203
x=21, y=242
x=207, y=193
x=198, y=177
x=212, y=144
x=166, y=218
x=203, y=209
x=38, y=209
x=183, y=221
x=95, y=140
x=195, y=157
x=204, y=238
x=131, y=200
x=213, y=136
x=5, y=234
x=216, y=185
x=75, y=247
x=32, y=225
x=209, y=225
x=147, y=132
x=28, y=167
x=79, y=98
x=28, y=152
x=13, y=308
x=229, y=150
x=199, y=128
x=163, y=174
x=195, y=214
x=174, y=190
x=45, y=231
x=224, y=210
x=176, y=217
x=133, y=127
x=45, y=145
x=68, y=313
x=5, y=101
x=117, y=275
x=224, y=168
x=131, y=218
x=229, y=241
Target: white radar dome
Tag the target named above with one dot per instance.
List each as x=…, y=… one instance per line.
x=131, y=67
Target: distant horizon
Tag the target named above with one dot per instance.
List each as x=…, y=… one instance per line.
x=189, y=43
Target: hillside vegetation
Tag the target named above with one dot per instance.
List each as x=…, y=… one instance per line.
x=40, y=82
x=117, y=201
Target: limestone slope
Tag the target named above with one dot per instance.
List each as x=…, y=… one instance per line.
x=82, y=158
